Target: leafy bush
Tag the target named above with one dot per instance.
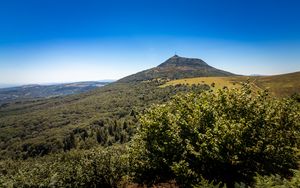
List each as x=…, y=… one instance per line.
x=227, y=136
x=100, y=167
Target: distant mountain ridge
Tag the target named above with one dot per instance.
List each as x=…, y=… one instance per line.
x=32, y=91
x=177, y=67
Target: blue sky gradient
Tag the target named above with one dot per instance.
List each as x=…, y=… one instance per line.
x=76, y=40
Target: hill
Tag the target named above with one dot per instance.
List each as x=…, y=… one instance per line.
x=102, y=116
x=279, y=85
x=177, y=67
x=27, y=92
x=105, y=115
x=64, y=129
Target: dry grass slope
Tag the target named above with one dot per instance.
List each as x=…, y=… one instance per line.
x=219, y=82
x=279, y=85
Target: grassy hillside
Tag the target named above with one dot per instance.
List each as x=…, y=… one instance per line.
x=280, y=85
x=218, y=82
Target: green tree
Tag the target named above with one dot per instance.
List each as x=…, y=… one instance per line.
x=227, y=136
x=98, y=167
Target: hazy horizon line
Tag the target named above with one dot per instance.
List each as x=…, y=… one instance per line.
x=10, y=85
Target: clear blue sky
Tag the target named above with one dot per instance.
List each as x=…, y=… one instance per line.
x=44, y=41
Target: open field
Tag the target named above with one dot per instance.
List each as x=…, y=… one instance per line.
x=279, y=85
x=219, y=82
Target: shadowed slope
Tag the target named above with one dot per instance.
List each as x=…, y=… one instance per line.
x=175, y=68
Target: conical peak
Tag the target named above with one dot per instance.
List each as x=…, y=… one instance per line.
x=177, y=67
x=183, y=61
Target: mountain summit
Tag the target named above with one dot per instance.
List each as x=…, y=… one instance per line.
x=177, y=61
x=177, y=67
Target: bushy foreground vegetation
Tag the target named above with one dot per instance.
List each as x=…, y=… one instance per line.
x=101, y=167
x=229, y=138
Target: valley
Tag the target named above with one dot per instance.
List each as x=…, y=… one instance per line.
x=28, y=92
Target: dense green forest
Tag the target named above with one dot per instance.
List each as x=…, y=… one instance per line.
x=105, y=116
x=199, y=138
